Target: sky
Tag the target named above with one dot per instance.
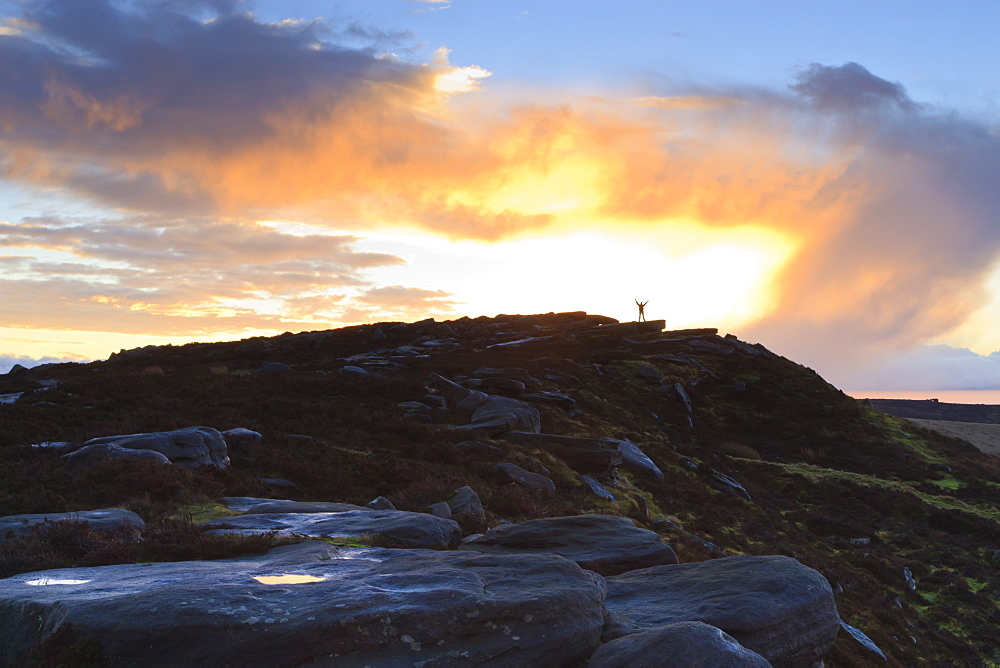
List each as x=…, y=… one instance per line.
x=822, y=177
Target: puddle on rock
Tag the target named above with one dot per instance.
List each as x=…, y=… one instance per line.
x=54, y=581
x=287, y=578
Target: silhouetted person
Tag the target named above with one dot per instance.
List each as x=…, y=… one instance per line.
x=642, y=309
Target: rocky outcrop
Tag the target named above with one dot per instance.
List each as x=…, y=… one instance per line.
x=103, y=519
x=602, y=543
x=274, y=367
x=623, y=329
x=496, y=415
x=468, y=450
x=242, y=440
x=189, y=448
x=467, y=507
x=90, y=455
x=380, y=503
x=724, y=483
x=635, y=460
x=594, y=487
x=597, y=457
x=514, y=473
x=681, y=645
x=405, y=529
x=315, y=603
x=866, y=642
x=772, y=605
x=683, y=396
x=440, y=509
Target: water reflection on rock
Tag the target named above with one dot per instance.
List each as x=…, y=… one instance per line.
x=287, y=578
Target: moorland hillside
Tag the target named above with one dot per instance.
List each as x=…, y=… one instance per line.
x=756, y=455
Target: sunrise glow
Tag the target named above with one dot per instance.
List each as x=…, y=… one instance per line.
x=329, y=178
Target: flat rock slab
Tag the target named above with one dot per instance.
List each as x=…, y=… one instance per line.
x=102, y=519
x=252, y=505
x=354, y=607
x=601, y=543
x=402, y=528
x=688, y=644
x=623, y=329
x=773, y=605
x=272, y=507
x=241, y=504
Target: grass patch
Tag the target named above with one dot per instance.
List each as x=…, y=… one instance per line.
x=975, y=585
x=901, y=432
x=205, y=511
x=819, y=474
x=948, y=483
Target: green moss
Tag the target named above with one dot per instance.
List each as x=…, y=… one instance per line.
x=987, y=512
x=948, y=483
x=954, y=627
x=975, y=585
x=819, y=474
x=901, y=432
x=205, y=511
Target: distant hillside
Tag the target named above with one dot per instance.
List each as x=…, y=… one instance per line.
x=759, y=456
x=932, y=409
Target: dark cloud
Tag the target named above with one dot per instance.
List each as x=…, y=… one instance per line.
x=906, y=259
x=94, y=91
x=849, y=87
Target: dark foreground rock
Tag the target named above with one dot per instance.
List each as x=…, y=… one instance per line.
x=102, y=519
x=347, y=607
x=772, y=605
x=466, y=505
x=405, y=529
x=602, y=543
x=686, y=644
